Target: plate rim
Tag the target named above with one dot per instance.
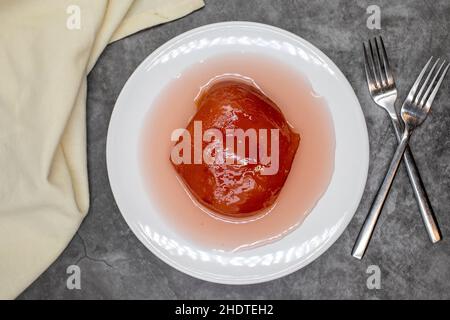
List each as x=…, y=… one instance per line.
x=270, y=275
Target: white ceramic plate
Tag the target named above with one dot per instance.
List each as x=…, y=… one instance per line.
x=327, y=220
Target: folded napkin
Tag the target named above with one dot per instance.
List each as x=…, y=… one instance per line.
x=47, y=48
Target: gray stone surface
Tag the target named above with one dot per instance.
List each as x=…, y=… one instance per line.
x=115, y=265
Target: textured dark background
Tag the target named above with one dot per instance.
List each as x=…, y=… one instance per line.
x=115, y=265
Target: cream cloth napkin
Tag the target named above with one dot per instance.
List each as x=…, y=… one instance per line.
x=47, y=47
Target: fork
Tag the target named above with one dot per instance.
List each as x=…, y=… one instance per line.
x=414, y=111
x=383, y=91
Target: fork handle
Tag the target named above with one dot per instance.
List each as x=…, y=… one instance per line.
x=426, y=211
x=371, y=220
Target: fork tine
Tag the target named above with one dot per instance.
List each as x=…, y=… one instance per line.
x=430, y=85
x=378, y=84
x=369, y=75
x=430, y=99
x=387, y=67
x=412, y=92
x=425, y=83
x=380, y=65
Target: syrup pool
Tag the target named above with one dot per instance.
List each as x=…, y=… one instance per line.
x=310, y=173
